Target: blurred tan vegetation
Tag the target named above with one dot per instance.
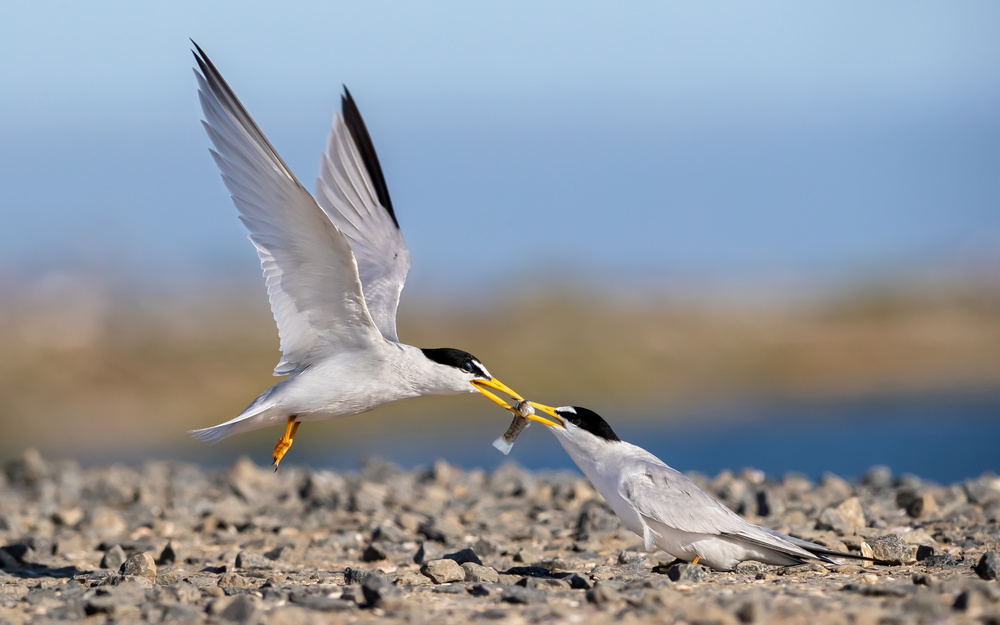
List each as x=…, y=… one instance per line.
x=88, y=371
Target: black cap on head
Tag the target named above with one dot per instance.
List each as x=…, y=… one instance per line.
x=587, y=419
x=457, y=358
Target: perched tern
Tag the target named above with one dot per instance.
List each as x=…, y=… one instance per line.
x=661, y=504
x=334, y=265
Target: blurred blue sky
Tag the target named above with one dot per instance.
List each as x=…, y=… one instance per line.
x=737, y=143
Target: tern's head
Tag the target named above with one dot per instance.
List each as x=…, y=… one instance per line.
x=460, y=372
x=573, y=420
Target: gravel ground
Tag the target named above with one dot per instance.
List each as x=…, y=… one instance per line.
x=175, y=543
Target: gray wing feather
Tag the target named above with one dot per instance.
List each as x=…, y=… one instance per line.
x=347, y=194
x=310, y=272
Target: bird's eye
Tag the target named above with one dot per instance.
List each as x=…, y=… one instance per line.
x=467, y=366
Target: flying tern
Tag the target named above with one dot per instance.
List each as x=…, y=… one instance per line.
x=661, y=504
x=334, y=265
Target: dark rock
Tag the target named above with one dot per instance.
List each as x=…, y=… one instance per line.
x=443, y=571
x=241, y=609
x=483, y=590
x=891, y=549
x=924, y=552
x=604, y=592
x=277, y=553
x=113, y=558
x=167, y=557
x=479, y=573
x=374, y=552
x=523, y=596
x=940, y=560
x=923, y=579
x=21, y=553
x=545, y=583
x=450, y=589
x=431, y=530
x=463, y=556
x=140, y=565
x=575, y=580
x=379, y=592
x=528, y=571
x=355, y=576
x=250, y=561
x=487, y=546
x=987, y=566
x=687, y=573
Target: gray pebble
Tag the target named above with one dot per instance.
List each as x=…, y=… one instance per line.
x=379, y=592
x=241, y=609
x=250, y=561
x=113, y=558
x=524, y=596
x=891, y=549
x=443, y=571
x=140, y=565
x=479, y=573
x=604, y=592
x=687, y=573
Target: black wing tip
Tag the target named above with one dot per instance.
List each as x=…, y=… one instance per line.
x=362, y=140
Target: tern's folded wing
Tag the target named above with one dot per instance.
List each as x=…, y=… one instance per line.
x=663, y=494
x=352, y=191
x=311, y=274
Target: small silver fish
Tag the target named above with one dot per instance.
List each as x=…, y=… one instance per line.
x=521, y=410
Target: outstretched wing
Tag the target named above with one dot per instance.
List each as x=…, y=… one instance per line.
x=352, y=192
x=311, y=274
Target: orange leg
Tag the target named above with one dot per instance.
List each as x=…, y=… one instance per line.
x=285, y=441
x=695, y=561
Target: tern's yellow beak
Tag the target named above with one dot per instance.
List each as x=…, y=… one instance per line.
x=555, y=422
x=482, y=385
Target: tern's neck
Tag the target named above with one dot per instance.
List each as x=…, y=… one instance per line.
x=594, y=455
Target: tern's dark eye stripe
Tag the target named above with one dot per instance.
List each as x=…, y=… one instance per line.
x=591, y=421
x=456, y=358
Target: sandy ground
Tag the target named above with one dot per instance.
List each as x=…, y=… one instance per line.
x=175, y=543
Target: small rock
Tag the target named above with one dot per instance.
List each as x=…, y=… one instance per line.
x=277, y=553
x=379, y=592
x=687, y=573
x=241, y=609
x=630, y=557
x=752, y=568
x=891, y=549
x=831, y=519
x=426, y=552
x=988, y=565
x=27, y=470
x=852, y=512
x=374, y=552
x=251, y=561
x=879, y=477
x=113, y=558
x=922, y=506
x=479, y=573
x=140, y=565
x=233, y=580
x=443, y=571
x=168, y=556
x=523, y=596
x=20, y=553
x=355, y=576
x=463, y=556
x=545, y=583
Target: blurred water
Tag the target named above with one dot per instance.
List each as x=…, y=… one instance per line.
x=943, y=438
